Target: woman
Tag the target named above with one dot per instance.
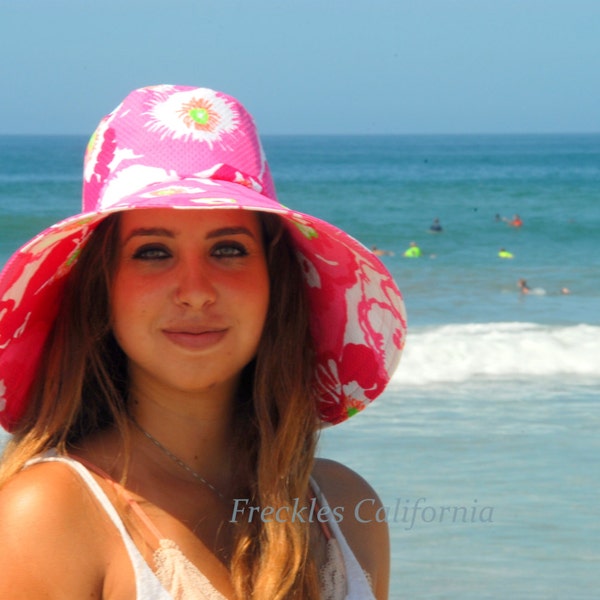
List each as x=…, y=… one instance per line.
x=167, y=358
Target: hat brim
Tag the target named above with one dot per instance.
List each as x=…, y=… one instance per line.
x=357, y=314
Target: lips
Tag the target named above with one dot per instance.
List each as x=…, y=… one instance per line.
x=194, y=338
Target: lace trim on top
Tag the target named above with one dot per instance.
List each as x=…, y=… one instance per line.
x=181, y=578
x=332, y=574
x=184, y=581
x=357, y=582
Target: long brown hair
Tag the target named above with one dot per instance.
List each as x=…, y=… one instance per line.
x=82, y=387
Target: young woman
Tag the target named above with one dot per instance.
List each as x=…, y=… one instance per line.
x=167, y=358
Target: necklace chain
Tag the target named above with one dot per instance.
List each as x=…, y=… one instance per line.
x=178, y=461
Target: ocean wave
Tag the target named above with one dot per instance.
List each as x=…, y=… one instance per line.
x=463, y=352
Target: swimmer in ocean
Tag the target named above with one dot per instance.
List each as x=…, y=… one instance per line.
x=380, y=252
x=436, y=226
x=413, y=251
x=525, y=289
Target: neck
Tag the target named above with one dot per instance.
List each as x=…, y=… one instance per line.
x=196, y=429
x=180, y=463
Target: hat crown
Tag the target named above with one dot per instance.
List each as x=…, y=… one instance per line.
x=167, y=133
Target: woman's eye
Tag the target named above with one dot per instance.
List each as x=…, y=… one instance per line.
x=151, y=253
x=230, y=250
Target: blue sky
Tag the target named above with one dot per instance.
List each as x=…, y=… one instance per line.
x=310, y=66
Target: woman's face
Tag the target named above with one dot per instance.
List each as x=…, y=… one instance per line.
x=189, y=297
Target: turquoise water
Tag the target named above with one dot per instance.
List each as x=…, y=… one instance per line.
x=485, y=445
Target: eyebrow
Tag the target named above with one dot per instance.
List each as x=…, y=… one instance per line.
x=149, y=231
x=164, y=232
x=241, y=230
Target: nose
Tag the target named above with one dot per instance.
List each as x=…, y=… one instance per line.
x=194, y=287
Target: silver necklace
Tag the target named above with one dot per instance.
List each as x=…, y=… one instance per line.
x=178, y=461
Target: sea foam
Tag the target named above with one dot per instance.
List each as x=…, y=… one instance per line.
x=461, y=352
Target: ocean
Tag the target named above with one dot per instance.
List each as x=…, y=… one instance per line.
x=484, y=448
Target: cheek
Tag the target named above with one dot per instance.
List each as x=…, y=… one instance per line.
x=128, y=308
x=253, y=304
x=131, y=295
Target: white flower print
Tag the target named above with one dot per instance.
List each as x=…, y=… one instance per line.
x=198, y=114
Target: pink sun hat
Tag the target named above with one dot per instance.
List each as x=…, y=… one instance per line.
x=187, y=148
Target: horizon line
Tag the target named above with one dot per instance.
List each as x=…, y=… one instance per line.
x=347, y=134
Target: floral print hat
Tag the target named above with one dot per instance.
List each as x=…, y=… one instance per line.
x=195, y=148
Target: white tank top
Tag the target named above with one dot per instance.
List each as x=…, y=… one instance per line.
x=176, y=578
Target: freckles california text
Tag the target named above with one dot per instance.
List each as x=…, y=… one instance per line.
x=402, y=511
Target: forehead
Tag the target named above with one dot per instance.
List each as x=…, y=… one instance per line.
x=185, y=220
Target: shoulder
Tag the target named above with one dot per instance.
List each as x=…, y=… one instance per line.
x=362, y=518
x=339, y=481
x=44, y=521
x=43, y=494
x=343, y=486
